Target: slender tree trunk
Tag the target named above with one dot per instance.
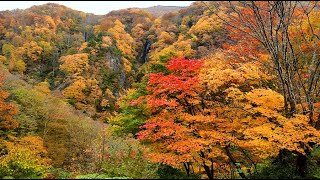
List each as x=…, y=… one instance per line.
x=282, y=154
x=234, y=162
x=301, y=164
x=187, y=168
x=208, y=170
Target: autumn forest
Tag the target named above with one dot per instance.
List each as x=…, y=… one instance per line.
x=214, y=90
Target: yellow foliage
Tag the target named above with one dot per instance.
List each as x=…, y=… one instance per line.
x=43, y=87
x=180, y=48
x=83, y=46
x=92, y=86
x=2, y=59
x=75, y=90
x=107, y=41
x=108, y=93
x=218, y=74
x=32, y=50
x=297, y=131
x=137, y=31
x=25, y=154
x=47, y=48
x=166, y=37
x=97, y=29
x=104, y=103
x=74, y=64
x=266, y=98
x=206, y=25
x=84, y=93
x=234, y=94
x=126, y=65
x=19, y=66
x=49, y=23
x=124, y=41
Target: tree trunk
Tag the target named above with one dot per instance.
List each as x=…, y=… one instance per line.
x=301, y=165
x=283, y=153
x=234, y=162
x=318, y=123
x=208, y=170
x=187, y=168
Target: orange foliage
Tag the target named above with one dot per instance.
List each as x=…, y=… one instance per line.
x=202, y=108
x=7, y=111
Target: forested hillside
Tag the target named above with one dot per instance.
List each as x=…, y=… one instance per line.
x=162, y=10
x=216, y=90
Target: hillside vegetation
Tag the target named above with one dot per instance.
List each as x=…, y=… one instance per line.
x=215, y=90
